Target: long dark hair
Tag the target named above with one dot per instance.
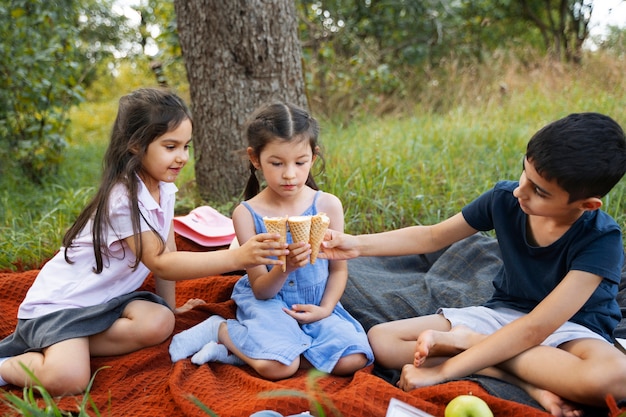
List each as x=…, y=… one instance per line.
x=143, y=115
x=279, y=121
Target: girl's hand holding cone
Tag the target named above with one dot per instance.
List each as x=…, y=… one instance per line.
x=308, y=229
x=278, y=225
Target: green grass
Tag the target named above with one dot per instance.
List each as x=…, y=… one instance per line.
x=414, y=167
x=422, y=169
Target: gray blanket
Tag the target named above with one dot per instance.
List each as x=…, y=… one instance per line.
x=381, y=289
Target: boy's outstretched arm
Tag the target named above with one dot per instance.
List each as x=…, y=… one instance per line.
x=405, y=241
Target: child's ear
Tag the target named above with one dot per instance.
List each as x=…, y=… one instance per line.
x=254, y=158
x=591, y=204
x=316, y=152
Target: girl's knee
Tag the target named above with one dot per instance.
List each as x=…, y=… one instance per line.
x=274, y=370
x=374, y=331
x=350, y=364
x=157, y=328
x=57, y=378
x=59, y=382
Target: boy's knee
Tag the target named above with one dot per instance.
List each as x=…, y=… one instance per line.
x=608, y=378
x=379, y=339
x=616, y=383
x=374, y=334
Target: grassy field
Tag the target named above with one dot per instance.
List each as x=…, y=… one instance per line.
x=411, y=166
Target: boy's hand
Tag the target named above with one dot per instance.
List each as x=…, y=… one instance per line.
x=189, y=305
x=412, y=377
x=338, y=246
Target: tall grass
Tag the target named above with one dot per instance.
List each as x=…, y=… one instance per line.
x=421, y=167
x=417, y=164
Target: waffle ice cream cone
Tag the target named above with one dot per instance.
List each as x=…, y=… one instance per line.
x=300, y=228
x=278, y=225
x=319, y=224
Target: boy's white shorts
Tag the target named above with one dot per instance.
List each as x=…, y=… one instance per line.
x=487, y=320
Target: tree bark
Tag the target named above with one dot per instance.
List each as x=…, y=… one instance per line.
x=238, y=54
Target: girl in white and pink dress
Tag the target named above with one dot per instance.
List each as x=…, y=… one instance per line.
x=84, y=301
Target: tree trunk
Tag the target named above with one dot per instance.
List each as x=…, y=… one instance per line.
x=238, y=54
x=563, y=25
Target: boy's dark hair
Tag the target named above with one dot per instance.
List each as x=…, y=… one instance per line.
x=584, y=152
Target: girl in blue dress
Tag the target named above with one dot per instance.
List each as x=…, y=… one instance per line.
x=293, y=319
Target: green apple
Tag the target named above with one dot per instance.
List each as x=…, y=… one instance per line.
x=467, y=406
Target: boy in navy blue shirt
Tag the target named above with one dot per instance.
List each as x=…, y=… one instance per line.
x=549, y=323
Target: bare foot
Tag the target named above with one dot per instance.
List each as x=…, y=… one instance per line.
x=554, y=404
x=437, y=343
x=189, y=305
x=551, y=402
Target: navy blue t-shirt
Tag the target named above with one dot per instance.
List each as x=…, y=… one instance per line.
x=592, y=244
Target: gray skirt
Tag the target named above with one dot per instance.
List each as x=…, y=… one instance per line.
x=33, y=335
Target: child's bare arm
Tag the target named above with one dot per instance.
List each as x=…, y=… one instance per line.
x=265, y=283
x=405, y=241
x=167, y=289
x=338, y=270
x=164, y=288
x=177, y=266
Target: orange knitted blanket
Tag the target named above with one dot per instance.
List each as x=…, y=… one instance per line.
x=146, y=383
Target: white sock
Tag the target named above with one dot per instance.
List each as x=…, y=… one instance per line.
x=188, y=342
x=215, y=352
x=2, y=381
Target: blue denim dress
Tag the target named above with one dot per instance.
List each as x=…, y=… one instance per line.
x=262, y=330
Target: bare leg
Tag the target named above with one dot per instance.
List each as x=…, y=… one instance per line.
x=269, y=369
x=393, y=342
x=142, y=324
x=349, y=364
x=583, y=370
x=438, y=345
x=62, y=369
x=448, y=343
x=551, y=402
